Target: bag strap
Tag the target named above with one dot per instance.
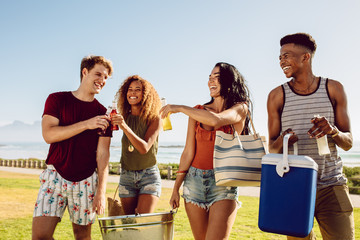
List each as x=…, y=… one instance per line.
x=252, y=124
x=117, y=188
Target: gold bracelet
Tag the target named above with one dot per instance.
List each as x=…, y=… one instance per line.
x=335, y=134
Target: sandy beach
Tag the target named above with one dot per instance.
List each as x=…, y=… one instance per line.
x=244, y=191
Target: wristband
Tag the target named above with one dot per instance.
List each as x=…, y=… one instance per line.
x=181, y=173
x=335, y=134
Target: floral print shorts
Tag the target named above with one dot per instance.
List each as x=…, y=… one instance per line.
x=56, y=194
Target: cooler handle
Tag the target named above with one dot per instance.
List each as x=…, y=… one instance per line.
x=283, y=165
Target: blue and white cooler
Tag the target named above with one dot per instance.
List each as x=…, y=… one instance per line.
x=287, y=193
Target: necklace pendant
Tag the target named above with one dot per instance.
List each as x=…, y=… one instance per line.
x=131, y=148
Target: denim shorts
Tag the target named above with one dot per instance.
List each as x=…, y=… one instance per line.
x=134, y=183
x=200, y=189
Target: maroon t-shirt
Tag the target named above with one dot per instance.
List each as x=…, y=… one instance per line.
x=74, y=158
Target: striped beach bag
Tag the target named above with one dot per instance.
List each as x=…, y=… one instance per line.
x=237, y=159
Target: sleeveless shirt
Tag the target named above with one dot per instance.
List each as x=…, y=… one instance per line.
x=297, y=112
x=134, y=160
x=204, y=145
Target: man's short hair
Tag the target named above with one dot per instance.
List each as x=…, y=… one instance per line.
x=89, y=62
x=302, y=39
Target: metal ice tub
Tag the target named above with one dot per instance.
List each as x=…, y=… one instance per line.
x=149, y=226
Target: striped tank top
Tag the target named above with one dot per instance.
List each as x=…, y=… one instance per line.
x=297, y=112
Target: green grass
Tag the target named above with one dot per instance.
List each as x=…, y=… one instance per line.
x=19, y=191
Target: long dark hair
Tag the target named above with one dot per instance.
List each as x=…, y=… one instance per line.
x=233, y=89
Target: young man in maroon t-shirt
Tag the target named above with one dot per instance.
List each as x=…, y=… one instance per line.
x=77, y=129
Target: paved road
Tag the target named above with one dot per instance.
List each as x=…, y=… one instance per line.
x=244, y=191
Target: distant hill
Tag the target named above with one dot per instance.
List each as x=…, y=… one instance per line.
x=21, y=132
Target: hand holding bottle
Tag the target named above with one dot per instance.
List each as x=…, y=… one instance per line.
x=320, y=131
x=113, y=112
x=166, y=120
x=102, y=130
x=118, y=120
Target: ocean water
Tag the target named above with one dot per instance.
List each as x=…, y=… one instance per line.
x=167, y=153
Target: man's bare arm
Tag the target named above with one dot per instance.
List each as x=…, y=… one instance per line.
x=52, y=132
x=102, y=159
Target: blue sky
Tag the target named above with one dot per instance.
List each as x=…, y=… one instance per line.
x=173, y=44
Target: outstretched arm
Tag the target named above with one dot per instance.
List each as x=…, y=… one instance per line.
x=229, y=116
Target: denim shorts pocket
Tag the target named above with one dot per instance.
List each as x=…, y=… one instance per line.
x=191, y=174
x=187, y=176
x=151, y=170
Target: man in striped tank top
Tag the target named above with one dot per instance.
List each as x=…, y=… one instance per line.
x=291, y=109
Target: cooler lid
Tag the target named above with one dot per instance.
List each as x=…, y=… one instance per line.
x=294, y=160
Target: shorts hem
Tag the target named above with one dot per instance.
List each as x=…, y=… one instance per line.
x=60, y=218
x=87, y=224
x=200, y=205
x=207, y=206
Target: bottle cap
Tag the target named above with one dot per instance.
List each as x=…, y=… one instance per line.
x=163, y=101
x=108, y=110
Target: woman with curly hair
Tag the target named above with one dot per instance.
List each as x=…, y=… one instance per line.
x=211, y=209
x=140, y=182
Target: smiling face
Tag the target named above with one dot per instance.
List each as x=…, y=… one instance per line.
x=135, y=93
x=95, y=79
x=292, y=59
x=214, y=82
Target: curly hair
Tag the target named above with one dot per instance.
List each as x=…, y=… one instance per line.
x=233, y=89
x=150, y=103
